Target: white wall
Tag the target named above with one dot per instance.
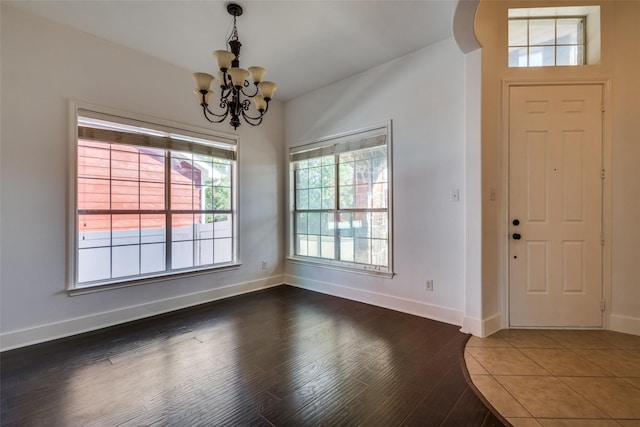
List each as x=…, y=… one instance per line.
x=424, y=94
x=43, y=66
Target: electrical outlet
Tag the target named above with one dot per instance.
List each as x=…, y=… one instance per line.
x=428, y=285
x=264, y=265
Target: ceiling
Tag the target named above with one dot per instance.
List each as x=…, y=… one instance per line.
x=304, y=45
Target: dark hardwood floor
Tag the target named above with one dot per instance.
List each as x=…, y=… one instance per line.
x=278, y=357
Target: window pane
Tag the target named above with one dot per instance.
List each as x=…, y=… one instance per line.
x=346, y=172
x=221, y=198
x=301, y=245
x=181, y=197
x=361, y=224
x=315, y=198
x=94, y=231
x=301, y=223
x=93, y=194
x=93, y=159
x=126, y=261
x=152, y=228
x=570, y=55
x=518, y=32
x=541, y=56
x=125, y=195
x=379, y=225
x=204, y=252
x=94, y=264
x=302, y=178
x=315, y=177
x=182, y=227
x=314, y=221
x=313, y=243
x=362, y=251
x=362, y=199
x=203, y=230
x=363, y=171
x=125, y=230
x=222, y=226
x=328, y=248
x=152, y=258
x=346, y=249
x=152, y=165
x=345, y=226
x=124, y=163
x=347, y=197
x=379, y=195
x=222, y=250
x=380, y=252
x=570, y=31
x=302, y=199
x=542, y=32
x=518, y=57
x=151, y=196
x=182, y=254
x=328, y=198
x=221, y=173
x=327, y=226
x=328, y=176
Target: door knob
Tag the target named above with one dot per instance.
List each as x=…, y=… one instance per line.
x=516, y=236
x=516, y=222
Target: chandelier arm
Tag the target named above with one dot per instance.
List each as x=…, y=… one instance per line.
x=223, y=105
x=248, y=117
x=248, y=94
x=208, y=112
x=253, y=121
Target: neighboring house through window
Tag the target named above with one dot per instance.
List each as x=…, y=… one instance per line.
x=150, y=201
x=341, y=201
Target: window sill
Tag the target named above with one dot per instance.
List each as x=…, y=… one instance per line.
x=341, y=266
x=89, y=289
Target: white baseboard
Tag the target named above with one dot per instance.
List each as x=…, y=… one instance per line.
x=51, y=331
x=482, y=328
x=434, y=312
x=626, y=324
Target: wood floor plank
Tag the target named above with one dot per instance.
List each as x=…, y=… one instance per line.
x=276, y=357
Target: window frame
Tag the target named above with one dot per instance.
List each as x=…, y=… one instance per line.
x=555, y=44
x=80, y=109
x=325, y=144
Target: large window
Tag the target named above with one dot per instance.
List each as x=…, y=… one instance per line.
x=547, y=41
x=341, y=207
x=150, y=201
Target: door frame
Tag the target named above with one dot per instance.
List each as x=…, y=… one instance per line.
x=503, y=228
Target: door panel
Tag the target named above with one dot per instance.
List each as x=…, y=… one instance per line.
x=555, y=192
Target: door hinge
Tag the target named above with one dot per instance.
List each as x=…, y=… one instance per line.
x=602, y=173
x=602, y=106
x=602, y=306
x=602, y=239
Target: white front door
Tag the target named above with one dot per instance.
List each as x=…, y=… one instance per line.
x=555, y=206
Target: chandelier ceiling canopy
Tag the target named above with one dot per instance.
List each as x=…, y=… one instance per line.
x=236, y=92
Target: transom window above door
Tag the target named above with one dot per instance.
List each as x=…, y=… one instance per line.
x=553, y=37
x=539, y=42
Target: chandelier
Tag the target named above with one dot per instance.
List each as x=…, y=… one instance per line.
x=235, y=90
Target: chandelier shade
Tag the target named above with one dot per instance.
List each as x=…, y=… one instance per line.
x=235, y=90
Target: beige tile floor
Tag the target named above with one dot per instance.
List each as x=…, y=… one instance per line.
x=559, y=377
